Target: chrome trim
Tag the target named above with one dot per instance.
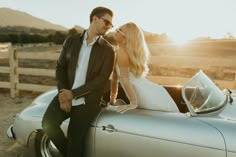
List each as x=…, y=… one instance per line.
x=10, y=133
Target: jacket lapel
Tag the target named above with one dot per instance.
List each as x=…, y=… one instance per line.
x=75, y=55
x=95, y=52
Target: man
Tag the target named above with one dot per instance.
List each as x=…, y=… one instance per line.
x=83, y=69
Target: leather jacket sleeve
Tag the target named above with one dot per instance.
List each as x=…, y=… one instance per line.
x=101, y=79
x=61, y=67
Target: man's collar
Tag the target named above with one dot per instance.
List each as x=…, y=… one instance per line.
x=86, y=35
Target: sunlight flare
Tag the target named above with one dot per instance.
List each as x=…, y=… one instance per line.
x=180, y=40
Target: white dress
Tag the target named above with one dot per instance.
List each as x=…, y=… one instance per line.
x=150, y=95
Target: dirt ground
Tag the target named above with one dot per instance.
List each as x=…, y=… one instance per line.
x=9, y=107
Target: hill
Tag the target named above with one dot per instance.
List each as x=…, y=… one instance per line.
x=14, y=18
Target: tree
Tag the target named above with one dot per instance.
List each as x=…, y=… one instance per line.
x=14, y=38
x=72, y=31
x=4, y=38
x=25, y=38
x=59, y=37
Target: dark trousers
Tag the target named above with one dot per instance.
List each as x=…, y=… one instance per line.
x=80, y=119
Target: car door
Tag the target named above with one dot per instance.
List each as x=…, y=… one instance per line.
x=140, y=133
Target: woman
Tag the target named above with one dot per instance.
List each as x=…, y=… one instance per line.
x=130, y=70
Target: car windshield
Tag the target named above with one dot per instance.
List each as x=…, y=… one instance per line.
x=202, y=95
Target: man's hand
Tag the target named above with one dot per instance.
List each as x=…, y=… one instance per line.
x=65, y=106
x=65, y=95
x=65, y=99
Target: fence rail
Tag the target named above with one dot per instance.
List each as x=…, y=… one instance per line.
x=14, y=70
x=187, y=61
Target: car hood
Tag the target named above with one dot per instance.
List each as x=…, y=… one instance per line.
x=229, y=111
x=225, y=123
x=226, y=128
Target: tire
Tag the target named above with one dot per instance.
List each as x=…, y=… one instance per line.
x=44, y=147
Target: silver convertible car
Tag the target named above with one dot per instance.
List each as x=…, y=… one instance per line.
x=204, y=126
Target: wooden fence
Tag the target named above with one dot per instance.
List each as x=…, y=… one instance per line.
x=227, y=66
x=14, y=70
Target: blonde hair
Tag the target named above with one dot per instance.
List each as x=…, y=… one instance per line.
x=137, y=49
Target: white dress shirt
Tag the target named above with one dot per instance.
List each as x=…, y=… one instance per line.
x=82, y=67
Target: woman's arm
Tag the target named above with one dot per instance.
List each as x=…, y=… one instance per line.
x=114, y=87
x=129, y=91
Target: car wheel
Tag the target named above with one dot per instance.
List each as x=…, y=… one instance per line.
x=44, y=147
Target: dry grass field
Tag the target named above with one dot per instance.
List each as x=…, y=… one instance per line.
x=217, y=59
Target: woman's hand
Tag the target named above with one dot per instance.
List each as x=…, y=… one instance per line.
x=111, y=107
x=120, y=106
x=112, y=101
x=124, y=108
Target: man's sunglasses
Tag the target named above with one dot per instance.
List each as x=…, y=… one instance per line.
x=107, y=22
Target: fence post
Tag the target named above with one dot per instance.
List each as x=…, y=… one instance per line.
x=16, y=72
x=14, y=77
x=234, y=85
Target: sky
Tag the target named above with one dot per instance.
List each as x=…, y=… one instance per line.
x=179, y=19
